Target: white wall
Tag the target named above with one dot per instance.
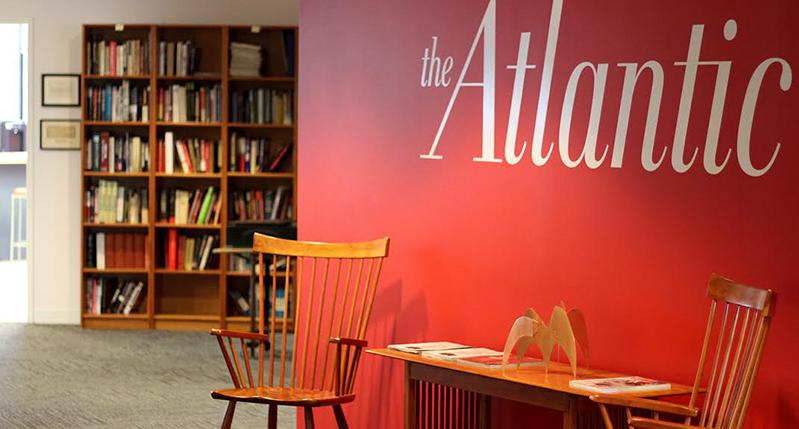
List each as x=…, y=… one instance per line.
x=55, y=47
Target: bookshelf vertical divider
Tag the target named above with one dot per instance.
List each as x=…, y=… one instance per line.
x=180, y=300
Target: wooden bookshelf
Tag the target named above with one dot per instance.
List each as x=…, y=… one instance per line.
x=184, y=299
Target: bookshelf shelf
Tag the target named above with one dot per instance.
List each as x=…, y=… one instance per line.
x=188, y=272
x=107, y=174
x=116, y=124
x=190, y=175
x=181, y=299
x=262, y=79
x=115, y=225
x=268, y=175
x=136, y=316
x=189, y=124
x=263, y=126
x=116, y=77
x=187, y=225
x=190, y=78
x=115, y=271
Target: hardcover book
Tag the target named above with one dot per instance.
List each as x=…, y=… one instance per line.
x=451, y=355
x=495, y=362
x=418, y=348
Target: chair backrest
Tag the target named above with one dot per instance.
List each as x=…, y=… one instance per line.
x=737, y=353
x=337, y=301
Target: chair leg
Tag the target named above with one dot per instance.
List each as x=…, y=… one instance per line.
x=309, y=424
x=228, y=420
x=341, y=421
x=272, y=423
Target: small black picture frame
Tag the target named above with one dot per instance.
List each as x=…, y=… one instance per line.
x=67, y=137
x=60, y=90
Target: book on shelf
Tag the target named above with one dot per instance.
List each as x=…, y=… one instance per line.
x=106, y=250
x=117, y=153
x=177, y=58
x=189, y=252
x=260, y=205
x=250, y=155
x=241, y=304
x=121, y=102
x=619, y=385
x=418, y=348
x=245, y=60
x=280, y=300
x=452, y=355
x=111, y=202
x=117, y=58
x=184, y=207
x=112, y=296
x=494, y=363
x=193, y=155
x=262, y=106
x=190, y=102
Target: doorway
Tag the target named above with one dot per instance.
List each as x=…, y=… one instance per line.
x=14, y=145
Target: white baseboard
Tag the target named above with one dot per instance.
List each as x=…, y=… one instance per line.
x=56, y=317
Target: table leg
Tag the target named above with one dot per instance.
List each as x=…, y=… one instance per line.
x=411, y=397
x=483, y=411
x=570, y=414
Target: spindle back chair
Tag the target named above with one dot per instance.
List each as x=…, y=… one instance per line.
x=334, y=312
x=738, y=348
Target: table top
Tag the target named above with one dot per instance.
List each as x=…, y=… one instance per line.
x=557, y=379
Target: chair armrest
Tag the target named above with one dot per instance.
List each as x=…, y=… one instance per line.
x=349, y=342
x=237, y=334
x=642, y=423
x=646, y=404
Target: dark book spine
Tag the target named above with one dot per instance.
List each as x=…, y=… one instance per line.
x=90, y=251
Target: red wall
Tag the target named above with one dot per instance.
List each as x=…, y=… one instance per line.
x=474, y=244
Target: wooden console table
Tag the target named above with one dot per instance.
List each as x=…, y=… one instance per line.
x=440, y=394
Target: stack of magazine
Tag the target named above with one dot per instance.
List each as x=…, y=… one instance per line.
x=463, y=355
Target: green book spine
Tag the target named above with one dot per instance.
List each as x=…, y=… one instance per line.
x=209, y=196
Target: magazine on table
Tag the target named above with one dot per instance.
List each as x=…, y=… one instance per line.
x=495, y=362
x=451, y=355
x=418, y=348
x=619, y=385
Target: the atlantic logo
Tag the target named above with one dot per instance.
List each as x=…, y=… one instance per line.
x=435, y=71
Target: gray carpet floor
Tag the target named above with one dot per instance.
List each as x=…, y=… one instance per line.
x=64, y=377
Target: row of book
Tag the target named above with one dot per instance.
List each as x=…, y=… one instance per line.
x=111, y=202
x=193, y=155
x=255, y=155
x=190, y=103
x=113, y=58
x=177, y=58
x=189, y=252
x=112, y=296
x=241, y=264
x=116, y=250
x=118, y=103
x=269, y=204
x=181, y=207
x=123, y=153
x=262, y=106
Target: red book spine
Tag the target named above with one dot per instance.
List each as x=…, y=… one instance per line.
x=113, y=58
x=181, y=264
x=202, y=104
x=188, y=158
x=104, y=147
x=138, y=250
x=130, y=261
x=161, y=156
x=146, y=251
x=95, y=113
x=279, y=157
x=173, y=249
x=259, y=205
x=110, y=251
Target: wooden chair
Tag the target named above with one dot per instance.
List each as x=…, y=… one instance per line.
x=736, y=360
x=335, y=311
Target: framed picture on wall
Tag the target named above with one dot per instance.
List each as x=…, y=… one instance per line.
x=61, y=90
x=59, y=134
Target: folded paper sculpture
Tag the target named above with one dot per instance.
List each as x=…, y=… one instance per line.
x=566, y=329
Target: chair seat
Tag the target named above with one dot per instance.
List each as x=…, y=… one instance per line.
x=282, y=396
